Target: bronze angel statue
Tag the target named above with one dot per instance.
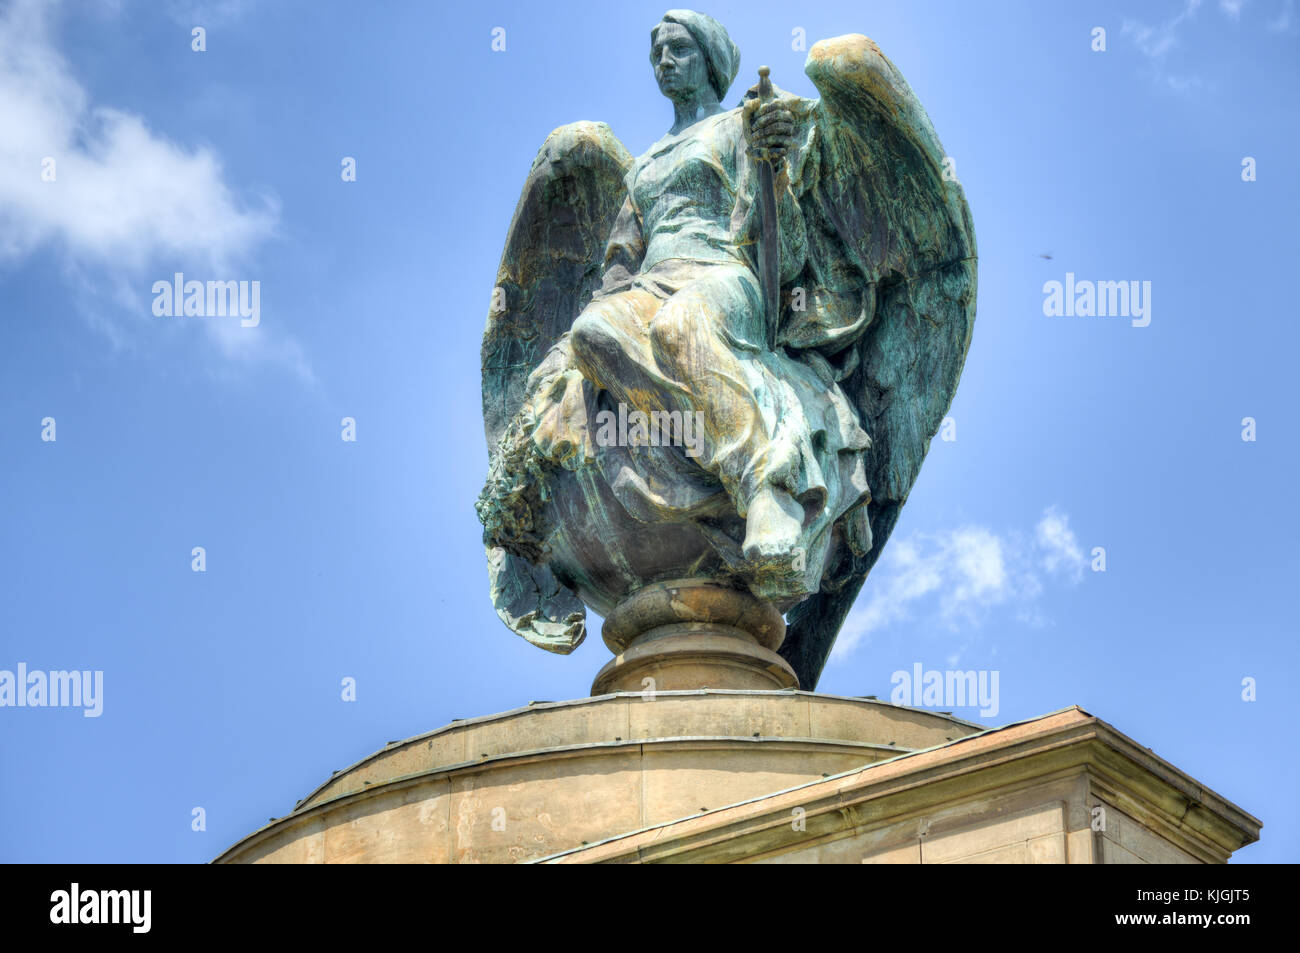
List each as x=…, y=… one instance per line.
x=660, y=415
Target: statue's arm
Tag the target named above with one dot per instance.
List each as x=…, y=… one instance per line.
x=624, y=253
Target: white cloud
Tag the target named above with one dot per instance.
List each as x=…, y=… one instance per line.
x=126, y=203
x=123, y=194
x=1059, y=548
x=1232, y=8
x=954, y=579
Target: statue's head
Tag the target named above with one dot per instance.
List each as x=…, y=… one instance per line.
x=691, y=52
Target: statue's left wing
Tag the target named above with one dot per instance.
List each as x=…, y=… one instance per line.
x=550, y=266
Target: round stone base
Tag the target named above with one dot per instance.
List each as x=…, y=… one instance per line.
x=690, y=634
x=690, y=655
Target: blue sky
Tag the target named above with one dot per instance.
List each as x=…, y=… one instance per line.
x=329, y=559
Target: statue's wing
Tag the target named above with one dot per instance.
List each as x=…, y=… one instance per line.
x=892, y=264
x=550, y=266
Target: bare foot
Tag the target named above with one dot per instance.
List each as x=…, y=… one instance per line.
x=772, y=527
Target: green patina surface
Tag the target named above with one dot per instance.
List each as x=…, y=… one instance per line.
x=631, y=287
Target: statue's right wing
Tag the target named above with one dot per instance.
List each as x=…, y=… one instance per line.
x=892, y=273
x=550, y=266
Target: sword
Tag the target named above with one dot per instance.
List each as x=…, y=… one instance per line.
x=769, y=243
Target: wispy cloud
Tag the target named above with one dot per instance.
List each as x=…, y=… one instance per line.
x=1280, y=21
x=1158, y=42
x=125, y=203
x=1155, y=41
x=953, y=580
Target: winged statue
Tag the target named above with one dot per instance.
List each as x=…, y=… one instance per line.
x=722, y=362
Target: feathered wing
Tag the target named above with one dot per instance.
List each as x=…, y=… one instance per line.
x=550, y=266
x=890, y=281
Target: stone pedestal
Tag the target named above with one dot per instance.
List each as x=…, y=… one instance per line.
x=687, y=634
x=755, y=776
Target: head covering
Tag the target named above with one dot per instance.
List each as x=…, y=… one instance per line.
x=711, y=37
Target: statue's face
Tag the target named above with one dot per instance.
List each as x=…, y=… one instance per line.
x=680, y=66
